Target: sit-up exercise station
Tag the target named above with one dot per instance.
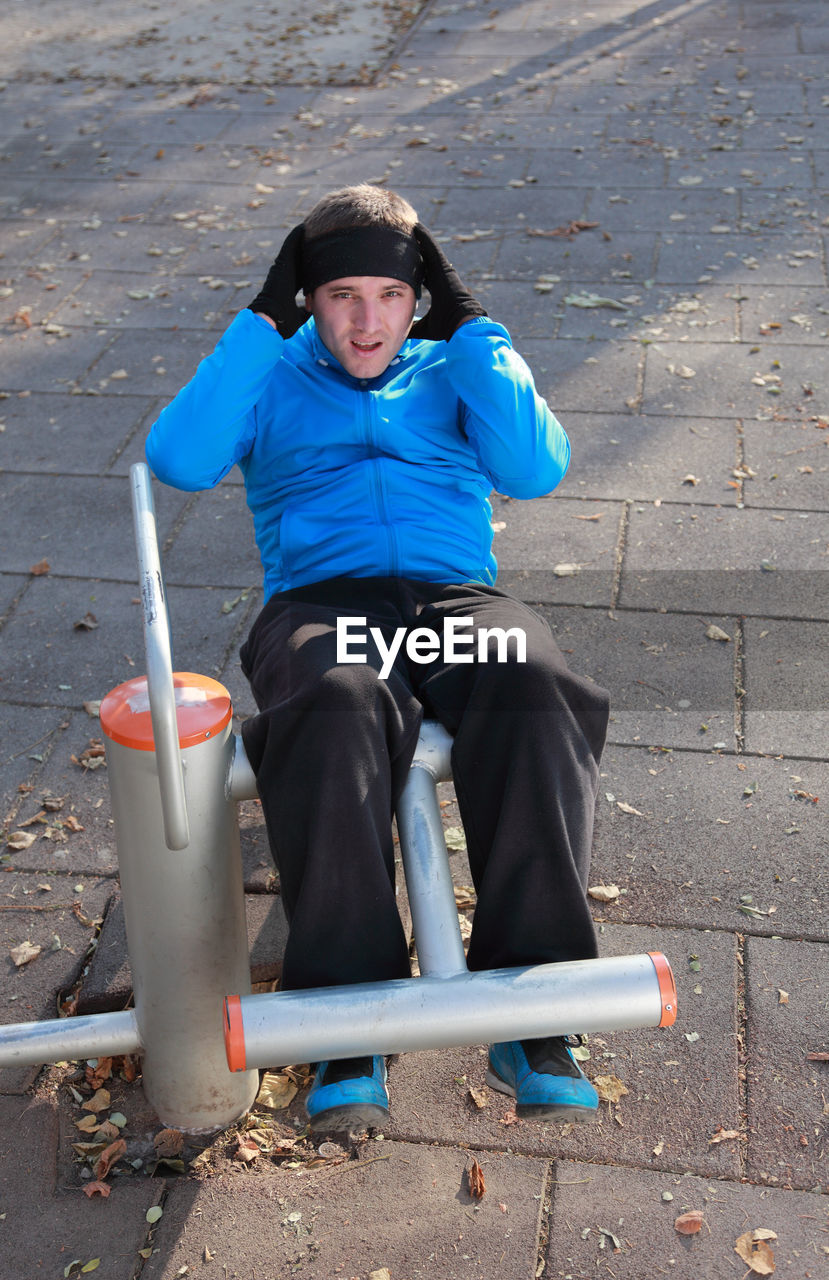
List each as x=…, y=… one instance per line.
x=176, y=771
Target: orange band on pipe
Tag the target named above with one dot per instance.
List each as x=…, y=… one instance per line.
x=667, y=988
x=234, y=1034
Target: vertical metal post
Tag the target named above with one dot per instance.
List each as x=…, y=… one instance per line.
x=437, y=932
x=169, y=753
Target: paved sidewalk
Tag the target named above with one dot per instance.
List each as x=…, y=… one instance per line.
x=640, y=192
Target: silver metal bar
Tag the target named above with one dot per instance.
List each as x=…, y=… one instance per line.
x=96, y=1035
x=412, y=1014
x=159, y=662
x=437, y=931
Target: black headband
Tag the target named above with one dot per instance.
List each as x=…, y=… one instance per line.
x=362, y=251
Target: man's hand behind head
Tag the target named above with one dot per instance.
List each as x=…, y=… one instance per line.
x=451, y=303
x=277, y=299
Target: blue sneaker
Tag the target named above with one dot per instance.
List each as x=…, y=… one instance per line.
x=348, y=1095
x=544, y=1078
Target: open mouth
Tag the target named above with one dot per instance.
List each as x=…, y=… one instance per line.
x=366, y=348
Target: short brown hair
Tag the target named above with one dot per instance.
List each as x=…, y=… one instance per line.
x=360, y=206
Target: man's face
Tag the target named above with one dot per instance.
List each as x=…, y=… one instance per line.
x=363, y=320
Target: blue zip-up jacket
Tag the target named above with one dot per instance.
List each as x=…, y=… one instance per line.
x=387, y=476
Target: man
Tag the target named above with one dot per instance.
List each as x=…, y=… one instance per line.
x=369, y=446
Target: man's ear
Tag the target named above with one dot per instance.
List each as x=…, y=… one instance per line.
x=309, y=303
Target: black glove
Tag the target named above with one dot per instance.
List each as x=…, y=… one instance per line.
x=451, y=302
x=278, y=297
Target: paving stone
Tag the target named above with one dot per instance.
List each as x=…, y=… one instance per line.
x=515, y=304
x=645, y=313
x=28, y=736
x=398, y=1206
x=795, y=260
x=780, y=211
x=787, y=168
x=216, y=543
x=75, y=834
x=653, y=665
x=153, y=301
x=786, y=682
x=157, y=363
x=110, y=243
x=544, y=131
x=12, y=586
x=35, y=298
x=783, y=315
x=644, y=457
x=479, y=204
x=711, y=829
x=43, y=650
x=788, y=1018
x=548, y=549
x=585, y=257
x=89, y=200
x=46, y=919
x=576, y=94
x=58, y=433
x=236, y=256
x=21, y=238
x=609, y=165
x=37, y=361
x=789, y=462
x=679, y=1089
x=592, y=1200
x=577, y=374
x=725, y=560
x=45, y=1228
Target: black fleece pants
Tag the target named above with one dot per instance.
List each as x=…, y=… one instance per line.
x=331, y=748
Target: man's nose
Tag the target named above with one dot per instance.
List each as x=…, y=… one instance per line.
x=368, y=315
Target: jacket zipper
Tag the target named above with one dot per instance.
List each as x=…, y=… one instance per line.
x=379, y=486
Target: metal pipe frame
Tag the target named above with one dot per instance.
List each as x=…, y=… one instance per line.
x=447, y=1006
x=411, y=1014
x=95, y=1035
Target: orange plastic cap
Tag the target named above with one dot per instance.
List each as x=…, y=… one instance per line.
x=234, y=1034
x=202, y=710
x=667, y=988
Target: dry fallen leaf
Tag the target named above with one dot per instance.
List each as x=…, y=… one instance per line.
x=168, y=1142
x=716, y=633
x=24, y=952
x=97, y=1189
x=99, y=1101
x=609, y=1088
x=688, y=1224
x=276, y=1091
x=89, y=1124
x=246, y=1151
x=475, y=1177
x=722, y=1135
x=479, y=1096
x=604, y=892
x=628, y=808
x=20, y=840
x=755, y=1251
x=109, y=1156
x=39, y=569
